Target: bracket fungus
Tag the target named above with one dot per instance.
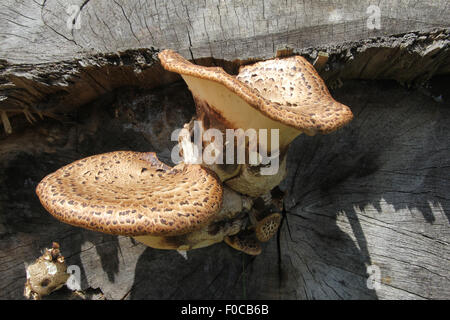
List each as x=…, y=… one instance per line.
x=285, y=94
x=267, y=226
x=132, y=193
x=195, y=205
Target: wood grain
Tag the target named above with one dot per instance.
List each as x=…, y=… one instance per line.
x=372, y=194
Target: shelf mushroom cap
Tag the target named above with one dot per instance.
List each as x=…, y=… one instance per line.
x=283, y=93
x=245, y=242
x=132, y=193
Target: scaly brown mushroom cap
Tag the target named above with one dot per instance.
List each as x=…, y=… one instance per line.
x=245, y=242
x=288, y=91
x=283, y=94
x=132, y=193
x=294, y=86
x=267, y=227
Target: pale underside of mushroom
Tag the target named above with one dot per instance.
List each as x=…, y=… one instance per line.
x=287, y=91
x=209, y=235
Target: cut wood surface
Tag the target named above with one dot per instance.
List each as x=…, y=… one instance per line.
x=371, y=196
x=52, y=53
x=48, y=31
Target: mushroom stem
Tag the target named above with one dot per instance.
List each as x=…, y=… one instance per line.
x=267, y=198
x=209, y=235
x=243, y=178
x=190, y=151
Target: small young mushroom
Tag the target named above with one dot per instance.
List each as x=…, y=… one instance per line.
x=285, y=94
x=267, y=227
x=46, y=274
x=264, y=225
x=132, y=193
x=245, y=242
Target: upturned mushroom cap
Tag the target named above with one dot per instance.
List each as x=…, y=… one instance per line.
x=287, y=94
x=245, y=242
x=251, y=183
x=268, y=227
x=132, y=193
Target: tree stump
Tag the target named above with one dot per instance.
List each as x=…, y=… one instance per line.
x=367, y=203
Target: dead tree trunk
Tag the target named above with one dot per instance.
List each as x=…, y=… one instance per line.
x=372, y=197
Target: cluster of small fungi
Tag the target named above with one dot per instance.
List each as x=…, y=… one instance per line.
x=47, y=274
x=191, y=206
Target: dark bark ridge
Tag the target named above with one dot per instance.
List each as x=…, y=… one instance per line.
x=52, y=54
x=44, y=89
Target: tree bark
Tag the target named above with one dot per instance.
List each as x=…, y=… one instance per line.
x=372, y=196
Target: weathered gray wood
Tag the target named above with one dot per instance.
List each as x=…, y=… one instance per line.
x=41, y=89
x=373, y=193
x=37, y=31
x=47, y=59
